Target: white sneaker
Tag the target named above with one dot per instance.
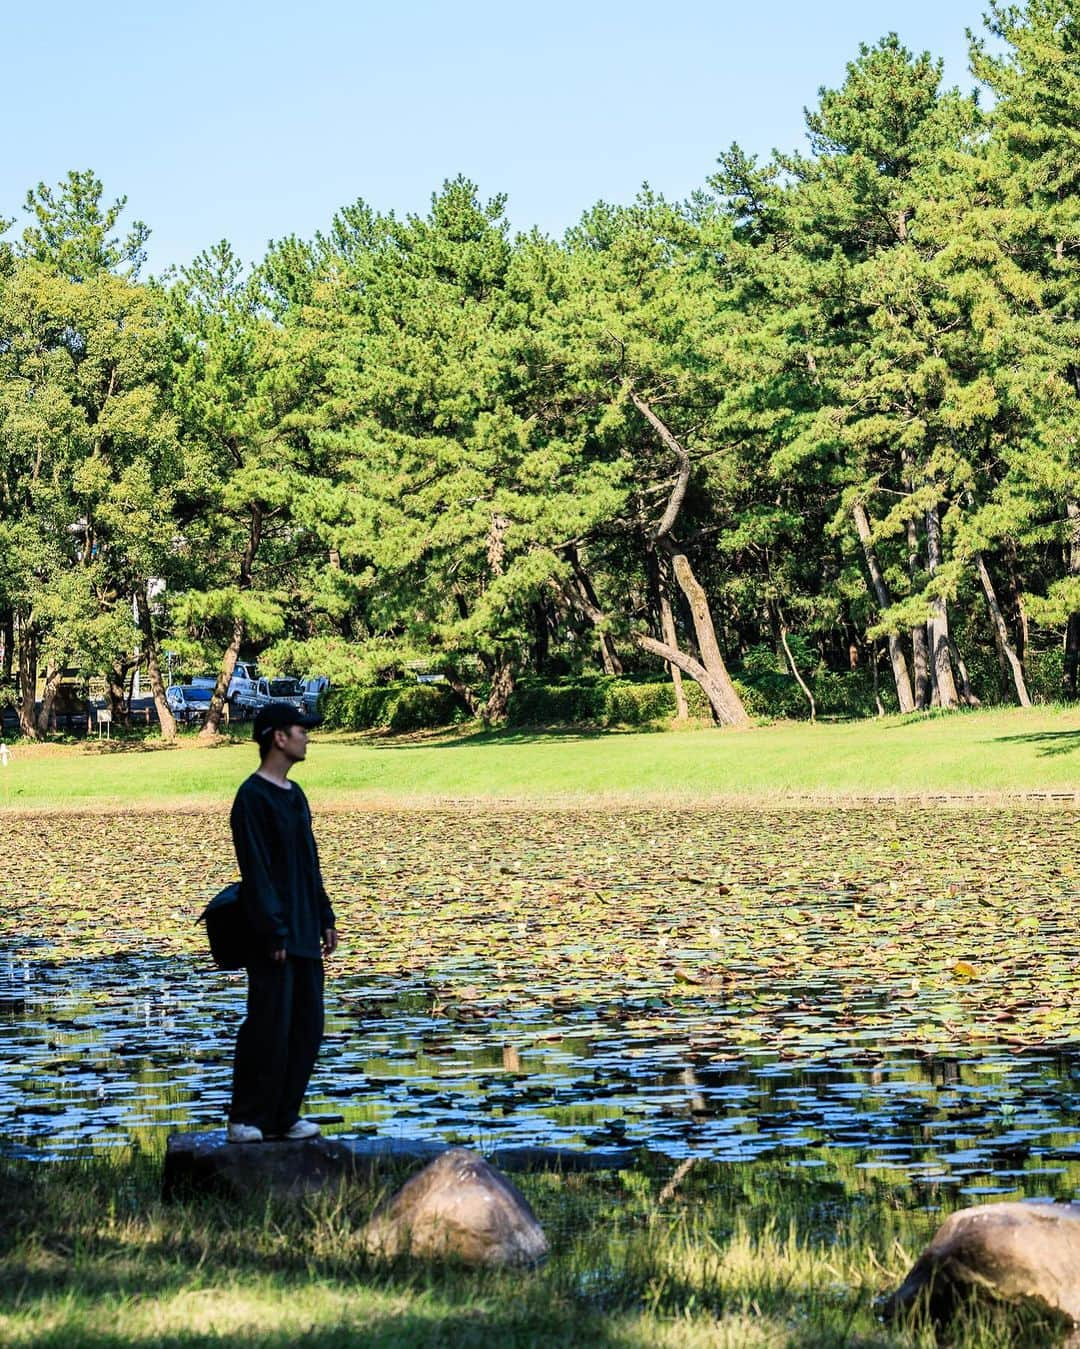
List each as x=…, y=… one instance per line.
x=244, y=1133
x=303, y=1128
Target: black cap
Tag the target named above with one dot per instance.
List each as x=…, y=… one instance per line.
x=279, y=717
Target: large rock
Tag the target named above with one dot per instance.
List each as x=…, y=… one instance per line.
x=458, y=1208
x=1002, y=1252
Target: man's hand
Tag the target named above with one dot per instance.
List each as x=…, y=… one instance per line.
x=279, y=955
x=329, y=941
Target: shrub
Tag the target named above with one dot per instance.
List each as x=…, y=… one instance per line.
x=567, y=703
x=604, y=700
x=394, y=707
x=601, y=700
x=1045, y=670
x=419, y=707
x=768, y=688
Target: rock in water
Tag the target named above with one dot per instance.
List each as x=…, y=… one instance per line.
x=1004, y=1252
x=458, y=1208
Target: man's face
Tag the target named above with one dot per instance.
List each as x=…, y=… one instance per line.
x=292, y=742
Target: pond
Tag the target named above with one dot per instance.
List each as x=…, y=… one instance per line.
x=891, y=993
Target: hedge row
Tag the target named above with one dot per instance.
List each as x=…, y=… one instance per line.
x=596, y=701
x=765, y=689
x=599, y=701
x=391, y=707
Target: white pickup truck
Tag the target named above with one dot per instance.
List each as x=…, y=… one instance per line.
x=242, y=686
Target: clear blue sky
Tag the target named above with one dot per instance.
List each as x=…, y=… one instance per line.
x=251, y=119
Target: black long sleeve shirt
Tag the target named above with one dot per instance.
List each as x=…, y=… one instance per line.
x=282, y=890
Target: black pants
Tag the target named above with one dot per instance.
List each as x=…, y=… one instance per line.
x=278, y=1042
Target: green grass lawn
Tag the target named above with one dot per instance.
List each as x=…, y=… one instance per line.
x=1006, y=751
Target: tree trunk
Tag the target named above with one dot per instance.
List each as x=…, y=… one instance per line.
x=729, y=709
x=1016, y=600
x=144, y=618
x=874, y=674
x=1004, y=669
x=920, y=648
x=807, y=694
x=715, y=692
x=937, y=625
x=774, y=632
x=220, y=695
x=664, y=618
x=27, y=678
x=502, y=686
x=732, y=712
x=46, y=717
x=7, y=638
x=896, y=652
x=1004, y=645
x=608, y=655
x=541, y=637
x=967, y=693
x=463, y=690
x=117, y=680
x=1071, y=668
x=667, y=629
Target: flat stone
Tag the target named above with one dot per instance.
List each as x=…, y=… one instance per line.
x=206, y=1161
x=1011, y=1253
x=458, y=1208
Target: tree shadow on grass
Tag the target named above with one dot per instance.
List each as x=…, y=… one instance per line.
x=510, y=1321
x=470, y=737
x=462, y=1330
x=1056, y=743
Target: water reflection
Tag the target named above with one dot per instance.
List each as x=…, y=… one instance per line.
x=107, y=1053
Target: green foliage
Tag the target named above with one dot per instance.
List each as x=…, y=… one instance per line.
x=596, y=701
x=1044, y=668
x=833, y=396
x=72, y=231
x=391, y=707
x=769, y=690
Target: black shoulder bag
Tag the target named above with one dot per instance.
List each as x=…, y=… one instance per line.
x=228, y=929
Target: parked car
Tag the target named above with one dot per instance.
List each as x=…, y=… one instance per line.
x=266, y=690
x=191, y=702
x=281, y=691
x=313, y=689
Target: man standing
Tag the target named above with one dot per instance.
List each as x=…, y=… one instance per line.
x=292, y=929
